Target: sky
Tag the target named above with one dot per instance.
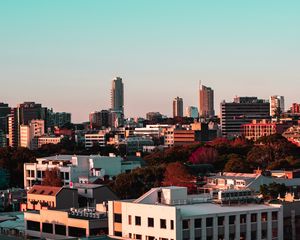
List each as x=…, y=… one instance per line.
x=64, y=54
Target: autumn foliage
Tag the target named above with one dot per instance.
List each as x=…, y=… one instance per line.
x=52, y=178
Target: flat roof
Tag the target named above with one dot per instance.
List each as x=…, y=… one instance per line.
x=87, y=185
x=211, y=208
x=62, y=157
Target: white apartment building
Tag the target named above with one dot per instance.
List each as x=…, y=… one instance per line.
x=169, y=213
x=95, y=139
x=151, y=130
x=43, y=140
x=30, y=133
x=72, y=167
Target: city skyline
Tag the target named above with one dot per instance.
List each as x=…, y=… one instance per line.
x=65, y=56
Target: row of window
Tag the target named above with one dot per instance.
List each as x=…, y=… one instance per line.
x=139, y=236
x=62, y=229
x=232, y=220
x=138, y=221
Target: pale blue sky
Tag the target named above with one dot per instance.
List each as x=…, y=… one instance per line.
x=65, y=53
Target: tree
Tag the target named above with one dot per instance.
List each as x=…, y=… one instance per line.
x=176, y=174
x=236, y=164
x=272, y=190
x=52, y=178
x=203, y=155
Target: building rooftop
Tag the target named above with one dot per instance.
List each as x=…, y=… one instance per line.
x=211, y=208
x=44, y=190
x=87, y=185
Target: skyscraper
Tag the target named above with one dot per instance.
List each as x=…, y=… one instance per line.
x=206, y=102
x=117, y=95
x=276, y=102
x=4, y=112
x=242, y=111
x=22, y=115
x=177, y=107
x=191, y=112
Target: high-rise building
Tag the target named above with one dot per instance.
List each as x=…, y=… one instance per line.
x=276, y=102
x=4, y=112
x=22, y=115
x=117, y=95
x=177, y=107
x=191, y=112
x=206, y=102
x=99, y=120
x=242, y=111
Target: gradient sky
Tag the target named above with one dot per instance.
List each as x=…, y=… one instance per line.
x=65, y=53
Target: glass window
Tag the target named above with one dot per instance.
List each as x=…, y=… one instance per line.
x=138, y=220
x=231, y=220
x=129, y=219
x=185, y=224
x=209, y=222
x=172, y=224
x=253, y=217
x=274, y=216
x=163, y=223
x=118, y=218
x=150, y=222
x=198, y=223
x=221, y=221
x=243, y=218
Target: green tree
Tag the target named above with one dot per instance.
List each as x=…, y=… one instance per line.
x=236, y=163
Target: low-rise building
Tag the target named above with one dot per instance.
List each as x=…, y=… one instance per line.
x=257, y=129
x=49, y=197
x=170, y=213
x=253, y=181
x=43, y=140
x=64, y=224
x=73, y=167
x=92, y=194
x=95, y=139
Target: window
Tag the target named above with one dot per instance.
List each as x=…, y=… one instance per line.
x=185, y=224
x=198, y=223
x=209, y=222
x=264, y=217
x=150, y=222
x=172, y=224
x=163, y=223
x=221, y=221
x=67, y=176
x=33, y=226
x=118, y=234
x=231, y=220
x=85, y=191
x=47, y=228
x=137, y=220
x=274, y=216
x=150, y=238
x=60, y=229
x=253, y=217
x=138, y=236
x=243, y=218
x=77, y=232
x=118, y=218
x=129, y=219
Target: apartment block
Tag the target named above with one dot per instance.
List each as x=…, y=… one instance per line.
x=66, y=224
x=72, y=167
x=169, y=213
